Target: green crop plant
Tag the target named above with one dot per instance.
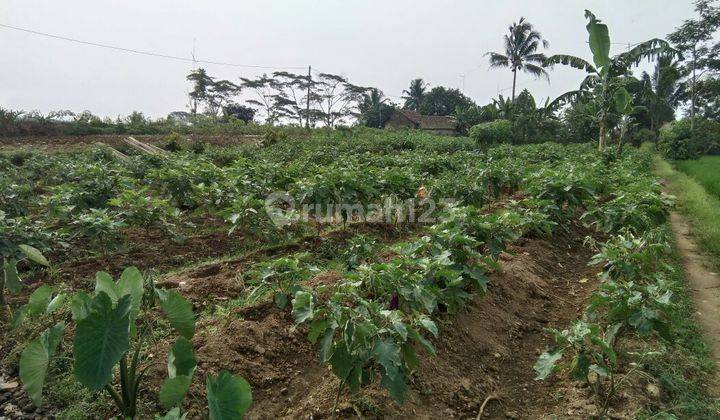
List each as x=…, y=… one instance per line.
x=111, y=329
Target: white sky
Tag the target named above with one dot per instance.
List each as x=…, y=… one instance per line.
x=375, y=43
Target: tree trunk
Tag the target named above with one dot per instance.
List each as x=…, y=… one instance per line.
x=513, y=88
x=694, y=91
x=603, y=134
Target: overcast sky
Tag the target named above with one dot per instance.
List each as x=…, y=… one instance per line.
x=383, y=44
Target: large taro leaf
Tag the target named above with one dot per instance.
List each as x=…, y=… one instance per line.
x=178, y=311
x=35, y=359
x=131, y=283
x=101, y=339
x=229, y=396
x=39, y=300
x=12, y=280
x=173, y=391
x=105, y=283
x=181, y=360
x=181, y=366
x=34, y=255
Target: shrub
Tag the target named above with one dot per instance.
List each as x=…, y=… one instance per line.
x=273, y=135
x=676, y=141
x=498, y=131
x=642, y=136
x=171, y=142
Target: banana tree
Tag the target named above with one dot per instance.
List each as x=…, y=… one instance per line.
x=607, y=76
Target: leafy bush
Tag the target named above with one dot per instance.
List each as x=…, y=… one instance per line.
x=493, y=132
x=676, y=141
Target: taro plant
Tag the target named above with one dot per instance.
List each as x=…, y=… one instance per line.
x=11, y=255
x=111, y=330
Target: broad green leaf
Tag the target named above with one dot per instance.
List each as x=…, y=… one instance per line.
x=173, y=414
x=39, y=300
x=55, y=303
x=623, y=101
x=341, y=361
x=579, y=367
x=599, y=41
x=317, y=327
x=280, y=300
x=546, y=363
x=178, y=311
x=387, y=353
x=131, y=283
x=105, y=283
x=429, y=325
x=173, y=391
x=35, y=359
x=12, y=280
x=326, y=345
x=394, y=381
x=302, y=306
x=34, y=255
x=409, y=356
x=101, y=338
x=229, y=396
x=80, y=305
x=181, y=360
x=18, y=317
x=415, y=335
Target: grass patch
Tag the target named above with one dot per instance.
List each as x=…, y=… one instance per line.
x=705, y=170
x=685, y=369
x=701, y=207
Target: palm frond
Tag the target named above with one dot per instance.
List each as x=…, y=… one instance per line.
x=567, y=98
x=536, y=71
x=570, y=60
x=648, y=50
x=498, y=60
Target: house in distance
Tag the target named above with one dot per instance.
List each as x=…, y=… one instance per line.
x=435, y=124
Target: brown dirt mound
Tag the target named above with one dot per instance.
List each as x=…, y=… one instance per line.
x=489, y=349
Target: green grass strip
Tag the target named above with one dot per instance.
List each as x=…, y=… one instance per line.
x=701, y=207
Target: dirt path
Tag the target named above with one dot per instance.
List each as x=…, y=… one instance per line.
x=704, y=283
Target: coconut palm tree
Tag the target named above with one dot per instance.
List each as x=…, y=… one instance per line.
x=414, y=94
x=521, y=46
x=660, y=92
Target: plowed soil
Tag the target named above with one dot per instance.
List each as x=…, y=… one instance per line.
x=489, y=349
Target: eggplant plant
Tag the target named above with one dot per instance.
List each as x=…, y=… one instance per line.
x=111, y=329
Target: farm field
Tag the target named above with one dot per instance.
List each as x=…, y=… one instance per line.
x=706, y=170
x=429, y=311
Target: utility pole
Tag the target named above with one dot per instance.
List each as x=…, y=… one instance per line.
x=307, y=110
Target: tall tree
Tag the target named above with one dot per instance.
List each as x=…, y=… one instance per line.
x=268, y=96
x=414, y=94
x=201, y=88
x=444, y=101
x=521, y=45
x=374, y=109
x=659, y=93
x=608, y=77
x=336, y=98
x=692, y=38
x=294, y=88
